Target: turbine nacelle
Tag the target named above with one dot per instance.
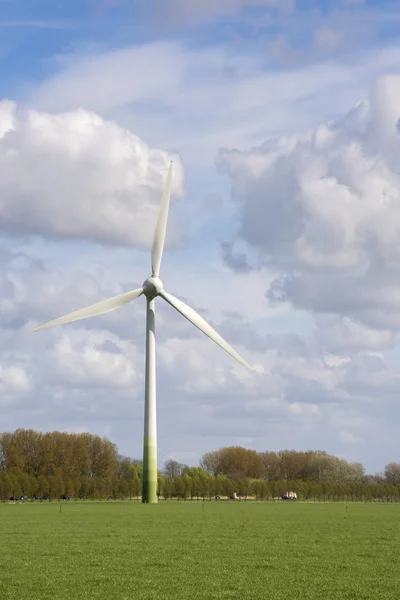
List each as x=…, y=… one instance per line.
x=152, y=287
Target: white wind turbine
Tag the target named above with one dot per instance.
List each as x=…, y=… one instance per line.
x=151, y=288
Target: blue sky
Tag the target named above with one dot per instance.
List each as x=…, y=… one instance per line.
x=269, y=202
x=33, y=32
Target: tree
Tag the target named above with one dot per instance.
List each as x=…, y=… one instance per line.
x=271, y=465
x=15, y=486
x=6, y=485
x=137, y=486
x=392, y=473
x=35, y=463
x=103, y=456
x=167, y=487
x=322, y=468
x=234, y=462
x=24, y=484
x=173, y=468
x=244, y=487
x=210, y=462
x=219, y=485
x=93, y=491
x=186, y=485
x=43, y=486
x=123, y=489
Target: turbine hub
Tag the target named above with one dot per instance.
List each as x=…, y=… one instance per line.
x=152, y=287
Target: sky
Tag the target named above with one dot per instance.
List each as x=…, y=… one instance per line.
x=283, y=121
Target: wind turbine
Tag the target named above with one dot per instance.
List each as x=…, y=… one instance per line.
x=151, y=289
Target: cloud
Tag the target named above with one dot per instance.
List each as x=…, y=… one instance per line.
x=340, y=334
x=349, y=438
x=7, y=112
x=76, y=176
x=339, y=377
x=86, y=78
x=322, y=210
x=180, y=97
x=13, y=378
x=327, y=38
x=189, y=13
x=89, y=361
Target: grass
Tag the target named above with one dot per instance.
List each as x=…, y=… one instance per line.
x=184, y=550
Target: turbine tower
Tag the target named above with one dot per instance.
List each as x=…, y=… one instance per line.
x=151, y=288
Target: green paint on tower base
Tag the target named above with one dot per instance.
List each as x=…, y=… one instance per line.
x=149, y=488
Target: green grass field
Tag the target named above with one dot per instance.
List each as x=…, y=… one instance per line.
x=185, y=550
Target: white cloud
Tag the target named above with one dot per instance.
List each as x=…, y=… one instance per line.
x=328, y=38
x=182, y=12
x=90, y=375
x=75, y=175
x=349, y=438
x=7, y=114
x=86, y=79
x=13, y=378
x=340, y=334
x=89, y=361
x=199, y=99
x=323, y=210
x=332, y=360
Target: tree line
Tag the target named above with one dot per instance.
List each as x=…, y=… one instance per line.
x=57, y=464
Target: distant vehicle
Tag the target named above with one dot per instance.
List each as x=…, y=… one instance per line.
x=289, y=496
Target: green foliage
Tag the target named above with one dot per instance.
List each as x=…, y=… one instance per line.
x=42, y=464
x=56, y=463
x=286, y=465
x=201, y=551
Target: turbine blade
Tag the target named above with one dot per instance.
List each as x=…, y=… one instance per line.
x=95, y=309
x=161, y=227
x=191, y=315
